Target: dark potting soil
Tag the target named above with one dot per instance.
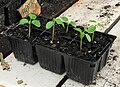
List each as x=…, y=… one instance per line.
x=69, y=46
x=90, y=51
x=53, y=8
x=21, y=32
x=5, y=47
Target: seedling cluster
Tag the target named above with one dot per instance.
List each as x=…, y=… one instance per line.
x=31, y=21
x=65, y=20
x=51, y=24
x=87, y=32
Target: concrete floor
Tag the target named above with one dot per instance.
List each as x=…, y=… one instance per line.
x=35, y=76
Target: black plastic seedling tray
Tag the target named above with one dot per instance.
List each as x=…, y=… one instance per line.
x=5, y=46
x=50, y=59
x=22, y=49
x=85, y=71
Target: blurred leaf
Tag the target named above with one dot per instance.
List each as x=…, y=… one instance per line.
x=91, y=29
x=92, y=21
x=23, y=21
x=88, y=37
x=100, y=25
x=78, y=29
x=73, y=24
x=58, y=21
x=36, y=23
x=49, y=24
x=82, y=34
x=86, y=29
x=65, y=19
x=32, y=16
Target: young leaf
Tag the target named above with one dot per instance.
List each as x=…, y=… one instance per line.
x=73, y=24
x=36, y=23
x=49, y=24
x=65, y=19
x=92, y=21
x=58, y=21
x=91, y=29
x=88, y=37
x=86, y=29
x=100, y=25
x=32, y=16
x=23, y=21
x=82, y=34
x=78, y=29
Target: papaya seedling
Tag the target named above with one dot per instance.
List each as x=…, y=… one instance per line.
x=51, y=24
x=82, y=34
x=65, y=20
x=31, y=21
x=91, y=29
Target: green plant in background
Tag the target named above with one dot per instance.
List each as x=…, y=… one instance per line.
x=65, y=19
x=51, y=24
x=91, y=29
x=82, y=34
x=31, y=21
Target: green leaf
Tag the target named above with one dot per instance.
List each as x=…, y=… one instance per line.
x=82, y=34
x=78, y=29
x=100, y=25
x=91, y=29
x=88, y=37
x=65, y=19
x=36, y=23
x=73, y=24
x=58, y=21
x=86, y=29
x=49, y=24
x=92, y=21
x=32, y=16
x=23, y=21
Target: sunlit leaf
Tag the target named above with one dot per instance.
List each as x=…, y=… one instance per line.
x=23, y=21
x=73, y=24
x=82, y=34
x=65, y=19
x=32, y=16
x=78, y=29
x=49, y=24
x=92, y=21
x=88, y=37
x=58, y=21
x=91, y=29
x=36, y=23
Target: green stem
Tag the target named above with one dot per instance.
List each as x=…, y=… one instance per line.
x=92, y=37
x=29, y=28
x=53, y=32
x=80, y=44
x=67, y=28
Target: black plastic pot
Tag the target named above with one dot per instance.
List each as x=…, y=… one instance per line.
x=22, y=49
x=85, y=71
x=5, y=46
x=106, y=50
x=50, y=59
